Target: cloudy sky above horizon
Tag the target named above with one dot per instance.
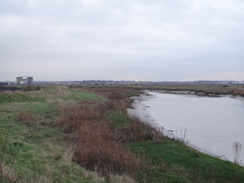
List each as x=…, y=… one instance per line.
x=154, y=40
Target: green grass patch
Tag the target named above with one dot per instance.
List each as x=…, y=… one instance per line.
x=17, y=97
x=84, y=95
x=35, y=163
x=173, y=161
x=119, y=119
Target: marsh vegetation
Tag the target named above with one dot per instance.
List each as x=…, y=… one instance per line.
x=83, y=134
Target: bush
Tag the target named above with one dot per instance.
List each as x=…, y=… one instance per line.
x=71, y=117
x=96, y=150
x=137, y=131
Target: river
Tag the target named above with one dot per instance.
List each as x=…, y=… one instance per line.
x=209, y=124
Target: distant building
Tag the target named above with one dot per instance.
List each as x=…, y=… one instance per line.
x=24, y=80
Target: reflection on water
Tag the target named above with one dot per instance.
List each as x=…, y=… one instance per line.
x=213, y=124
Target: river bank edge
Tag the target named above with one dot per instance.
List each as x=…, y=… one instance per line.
x=139, y=110
x=199, y=93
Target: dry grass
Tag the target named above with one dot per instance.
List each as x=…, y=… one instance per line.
x=204, y=89
x=121, y=179
x=50, y=92
x=98, y=144
x=44, y=92
x=28, y=118
x=7, y=174
x=138, y=131
x=55, y=152
x=68, y=155
x=118, y=97
x=71, y=117
x=96, y=177
x=96, y=150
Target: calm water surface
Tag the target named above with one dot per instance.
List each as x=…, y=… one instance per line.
x=213, y=124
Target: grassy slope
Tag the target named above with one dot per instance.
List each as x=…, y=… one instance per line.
x=174, y=162
x=31, y=147
x=34, y=149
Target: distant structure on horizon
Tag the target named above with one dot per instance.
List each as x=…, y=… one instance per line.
x=24, y=80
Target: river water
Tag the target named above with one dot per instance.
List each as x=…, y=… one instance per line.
x=209, y=124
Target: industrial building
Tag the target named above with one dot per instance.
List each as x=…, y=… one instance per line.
x=24, y=80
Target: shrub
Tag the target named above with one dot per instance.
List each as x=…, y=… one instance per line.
x=71, y=117
x=96, y=150
x=137, y=131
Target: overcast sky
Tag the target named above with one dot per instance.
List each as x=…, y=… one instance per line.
x=153, y=40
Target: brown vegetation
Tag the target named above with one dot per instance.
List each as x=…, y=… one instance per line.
x=137, y=131
x=97, y=150
x=99, y=145
x=71, y=117
x=97, y=136
x=203, y=89
x=28, y=118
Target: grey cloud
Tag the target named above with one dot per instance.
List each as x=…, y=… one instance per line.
x=142, y=37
